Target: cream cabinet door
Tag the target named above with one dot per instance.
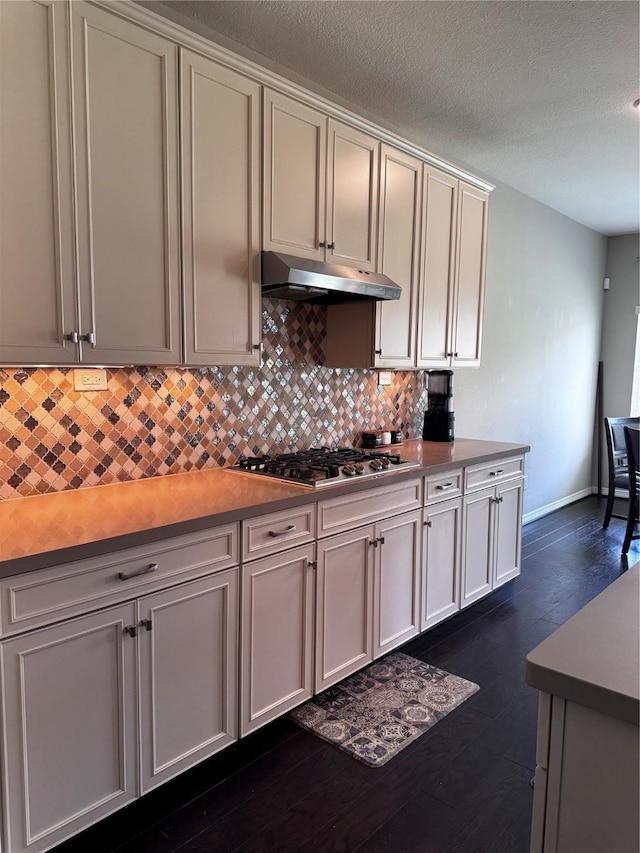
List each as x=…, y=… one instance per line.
x=295, y=156
x=38, y=305
x=398, y=256
x=352, y=196
x=277, y=636
x=126, y=133
x=344, y=605
x=442, y=532
x=221, y=213
x=437, y=282
x=508, y=532
x=188, y=675
x=473, y=205
x=477, y=545
x=70, y=744
x=396, y=607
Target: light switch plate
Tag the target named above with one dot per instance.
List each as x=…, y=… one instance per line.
x=384, y=377
x=89, y=379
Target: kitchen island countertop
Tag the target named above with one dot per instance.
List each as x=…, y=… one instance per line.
x=594, y=658
x=46, y=530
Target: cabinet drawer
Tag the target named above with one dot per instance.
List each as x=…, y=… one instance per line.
x=488, y=474
x=343, y=513
x=442, y=486
x=276, y=531
x=48, y=595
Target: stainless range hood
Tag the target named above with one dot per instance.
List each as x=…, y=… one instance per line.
x=301, y=280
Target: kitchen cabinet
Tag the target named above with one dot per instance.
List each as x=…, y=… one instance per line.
x=37, y=266
x=102, y=707
x=344, y=605
x=97, y=282
x=277, y=635
x=386, y=330
x=491, y=527
x=441, y=551
x=396, y=581
x=221, y=213
x=188, y=642
x=126, y=131
x=453, y=272
x=320, y=185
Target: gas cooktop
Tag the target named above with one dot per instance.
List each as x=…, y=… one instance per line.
x=323, y=466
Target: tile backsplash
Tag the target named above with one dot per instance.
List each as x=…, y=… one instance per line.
x=153, y=421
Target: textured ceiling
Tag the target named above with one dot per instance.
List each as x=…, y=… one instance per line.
x=535, y=94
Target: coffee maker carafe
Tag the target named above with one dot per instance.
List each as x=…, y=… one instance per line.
x=439, y=419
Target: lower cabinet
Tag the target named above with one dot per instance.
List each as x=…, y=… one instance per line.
x=441, y=562
x=75, y=749
x=367, y=595
x=277, y=635
x=492, y=520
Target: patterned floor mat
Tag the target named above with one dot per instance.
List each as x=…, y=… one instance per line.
x=375, y=713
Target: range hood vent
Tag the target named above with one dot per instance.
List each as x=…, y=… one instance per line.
x=301, y=280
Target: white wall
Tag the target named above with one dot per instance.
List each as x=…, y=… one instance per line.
x=620, y=323
x=543, y=314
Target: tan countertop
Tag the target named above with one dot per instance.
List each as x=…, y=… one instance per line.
x=594, y=658
x=46, y=530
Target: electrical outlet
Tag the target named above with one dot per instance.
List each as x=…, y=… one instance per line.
x=90, y=379
x=384, y=377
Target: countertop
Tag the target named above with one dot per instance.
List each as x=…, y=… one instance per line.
x=594, y=658
x=46, y=530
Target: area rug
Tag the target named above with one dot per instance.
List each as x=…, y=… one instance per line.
x=377, y=712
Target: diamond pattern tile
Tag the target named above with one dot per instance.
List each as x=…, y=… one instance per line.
x=153, y=421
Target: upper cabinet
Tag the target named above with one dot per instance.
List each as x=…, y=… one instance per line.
x=453, y=272
x=126, y=111
x=133, y=213
x=38, y=304
x=383, y=334
x=320, y=186
x=92, y=277
x=221, y=213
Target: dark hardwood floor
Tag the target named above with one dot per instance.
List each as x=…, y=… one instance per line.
x=463, y=786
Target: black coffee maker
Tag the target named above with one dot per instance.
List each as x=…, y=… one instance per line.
x=439, y=419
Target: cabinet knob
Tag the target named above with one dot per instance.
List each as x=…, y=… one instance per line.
x=331, y=245
x=146, y=623
x=131, y=630
x=313, y=564
x=427, y=523
x=374, y=542
x=379, y=351
x=90, y=337
x=74, y=337
x=322, y=244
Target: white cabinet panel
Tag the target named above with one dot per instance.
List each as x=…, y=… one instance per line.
x=70, y=727
x=441, y=561
x=221, y=213
x=477, y=545
x=508, y=532
x=344, y=606
x=277, y=635
x=188, y=675
x=396, y=582
x=126, y=116
x=38, y=305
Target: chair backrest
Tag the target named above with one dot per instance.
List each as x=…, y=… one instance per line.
x=632, y=446
x=616, y=447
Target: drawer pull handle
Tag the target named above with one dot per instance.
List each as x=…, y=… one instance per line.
x=146, y=623
x=131, y=630
x=495, y=473
x=276, y=533
x=313, y=564
x=124, y=576
x=427, y=523
x=444, y=486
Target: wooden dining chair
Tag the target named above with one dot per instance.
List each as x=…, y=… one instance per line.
x=632, y=443
x=617, y=461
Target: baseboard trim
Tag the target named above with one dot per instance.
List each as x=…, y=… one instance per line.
x=545, y=510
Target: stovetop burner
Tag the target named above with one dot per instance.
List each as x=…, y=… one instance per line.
x=322, y=466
